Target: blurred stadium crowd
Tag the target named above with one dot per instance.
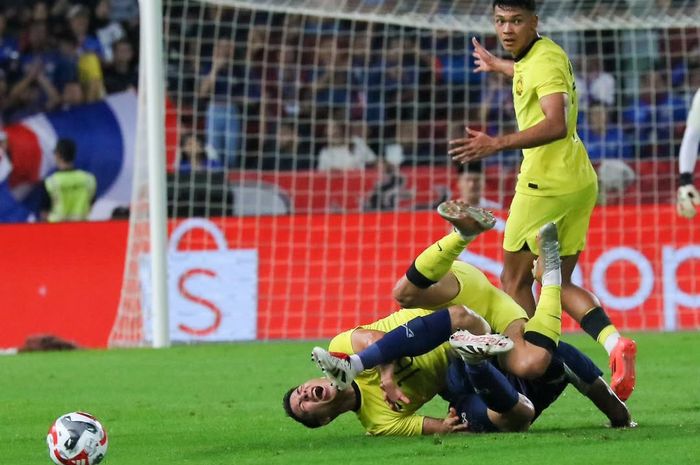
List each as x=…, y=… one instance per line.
x=63, y=53
x=281, y=92
x=284, y=91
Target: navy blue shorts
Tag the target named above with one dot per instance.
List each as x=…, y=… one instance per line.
x=471, y=408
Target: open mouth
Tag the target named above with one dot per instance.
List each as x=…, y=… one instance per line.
x=318, y=392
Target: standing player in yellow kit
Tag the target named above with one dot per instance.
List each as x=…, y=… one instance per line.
x=556, y=183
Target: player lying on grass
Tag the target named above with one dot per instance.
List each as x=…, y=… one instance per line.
x=482, y=397
x=436, y=280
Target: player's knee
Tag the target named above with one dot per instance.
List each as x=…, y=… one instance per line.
x=529, y=367
x=405, y=294
x=536, y=367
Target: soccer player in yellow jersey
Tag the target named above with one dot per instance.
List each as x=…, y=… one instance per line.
x=482, y=397
x=317, y=402
x=556, y=183
x=436, y=280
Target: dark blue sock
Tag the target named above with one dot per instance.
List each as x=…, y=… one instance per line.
x=492, y=386
x=417, y=337
x=473, y=408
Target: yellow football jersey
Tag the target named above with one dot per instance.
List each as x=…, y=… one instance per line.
x=420, y=378
x=562, y=166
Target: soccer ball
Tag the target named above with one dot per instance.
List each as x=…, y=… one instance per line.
x=77, y=438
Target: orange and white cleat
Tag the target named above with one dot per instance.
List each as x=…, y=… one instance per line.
x=622, y=367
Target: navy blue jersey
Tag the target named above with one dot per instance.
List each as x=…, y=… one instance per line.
x=471, y=408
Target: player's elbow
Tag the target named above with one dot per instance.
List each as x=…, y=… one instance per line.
x=558, y=130
x=401, y=300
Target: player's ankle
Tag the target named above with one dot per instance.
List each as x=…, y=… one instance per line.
x=552, y=278
x=611, y=341
x=356, y=363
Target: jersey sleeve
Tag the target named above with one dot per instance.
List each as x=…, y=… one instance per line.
x=549, y=76
x=691, y=138
x=92, y=185
x=402, y=426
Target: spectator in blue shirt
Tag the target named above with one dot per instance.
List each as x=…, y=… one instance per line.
x=9, y=47
x=656, y=119
x=223, y=82
x=602, y=138
x=330, y=82
x=67, y=61
x=39, y=50
x=193, y=156
x=79, y=20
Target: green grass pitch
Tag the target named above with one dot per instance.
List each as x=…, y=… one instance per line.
x=221, y=404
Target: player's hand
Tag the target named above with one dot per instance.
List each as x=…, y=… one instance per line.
x=476, y=146
x=393, y=395
x=688, y=200
x=483, y=59
x=453, y=424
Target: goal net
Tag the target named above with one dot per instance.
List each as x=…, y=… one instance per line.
x=308, y=138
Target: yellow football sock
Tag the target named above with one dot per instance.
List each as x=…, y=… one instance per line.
x=435, y=261
x=605, y=333
x=547, y=318
x=598, y=325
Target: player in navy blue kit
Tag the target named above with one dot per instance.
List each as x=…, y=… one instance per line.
x=482, y=393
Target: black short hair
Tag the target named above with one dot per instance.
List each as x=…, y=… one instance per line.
x=471, y=167
x=65, y=148
x=528, y=5
x=286, y=403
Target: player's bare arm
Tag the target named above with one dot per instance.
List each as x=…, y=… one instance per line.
x=393, y=395
x=478, y=145
x=450, y=424
x=486, y=61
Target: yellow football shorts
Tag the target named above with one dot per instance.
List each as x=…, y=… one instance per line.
x=477, y=293
x=570, y=212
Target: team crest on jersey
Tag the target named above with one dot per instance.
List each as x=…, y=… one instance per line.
x=519, y=86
